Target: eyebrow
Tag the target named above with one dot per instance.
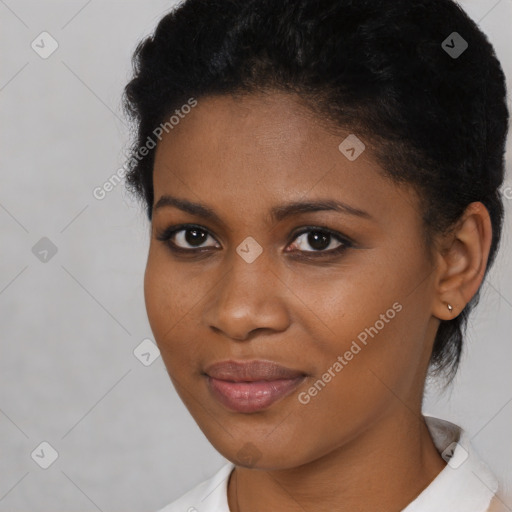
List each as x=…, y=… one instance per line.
x=278, y=213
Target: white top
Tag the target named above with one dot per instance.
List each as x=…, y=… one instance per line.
x=464, y=485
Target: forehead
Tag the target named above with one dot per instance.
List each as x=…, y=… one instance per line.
x=263, y=128
x=262, y=149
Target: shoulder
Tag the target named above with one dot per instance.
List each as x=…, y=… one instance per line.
x=208, y=496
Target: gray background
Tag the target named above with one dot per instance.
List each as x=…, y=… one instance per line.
x=69, y=326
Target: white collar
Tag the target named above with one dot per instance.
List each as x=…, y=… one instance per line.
x=464, y=485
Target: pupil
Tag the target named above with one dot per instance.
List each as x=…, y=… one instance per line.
x=197, y=236
x=318, y=240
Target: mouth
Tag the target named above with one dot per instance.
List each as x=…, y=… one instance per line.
x=251, y=386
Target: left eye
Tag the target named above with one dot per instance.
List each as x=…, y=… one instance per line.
x=319, y=240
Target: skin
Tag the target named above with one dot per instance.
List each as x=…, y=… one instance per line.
x=361, y=443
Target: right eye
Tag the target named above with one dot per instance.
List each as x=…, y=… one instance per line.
x=185, y=238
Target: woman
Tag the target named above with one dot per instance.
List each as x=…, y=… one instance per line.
x=322, y=180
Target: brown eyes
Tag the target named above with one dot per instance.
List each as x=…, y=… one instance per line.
x=314, y=241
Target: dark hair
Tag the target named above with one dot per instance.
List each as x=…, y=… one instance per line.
x=380, y=68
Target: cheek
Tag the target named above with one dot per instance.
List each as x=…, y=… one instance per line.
x=158, y=297
x=374, y=375
x=375, y=319
x=338, y=305
x=174, y=297
x=167, y=301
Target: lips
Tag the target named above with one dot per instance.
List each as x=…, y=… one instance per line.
x=251, y=386
x=250, y=371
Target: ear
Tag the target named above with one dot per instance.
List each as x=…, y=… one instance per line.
x=461, y=261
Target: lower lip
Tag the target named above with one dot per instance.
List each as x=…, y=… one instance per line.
x=251, y=396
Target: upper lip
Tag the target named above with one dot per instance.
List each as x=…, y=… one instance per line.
x=250, y=371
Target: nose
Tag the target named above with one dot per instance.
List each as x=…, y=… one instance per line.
x=250, y=297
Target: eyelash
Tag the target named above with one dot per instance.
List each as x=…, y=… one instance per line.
x=166, y=234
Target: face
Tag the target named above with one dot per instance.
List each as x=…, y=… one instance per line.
x=287, y=285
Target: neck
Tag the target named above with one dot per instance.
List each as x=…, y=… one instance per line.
x=383, y=469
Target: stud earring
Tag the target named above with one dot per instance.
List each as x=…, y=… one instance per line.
x=450, y=307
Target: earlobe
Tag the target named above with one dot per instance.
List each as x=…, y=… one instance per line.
x=462, y=262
